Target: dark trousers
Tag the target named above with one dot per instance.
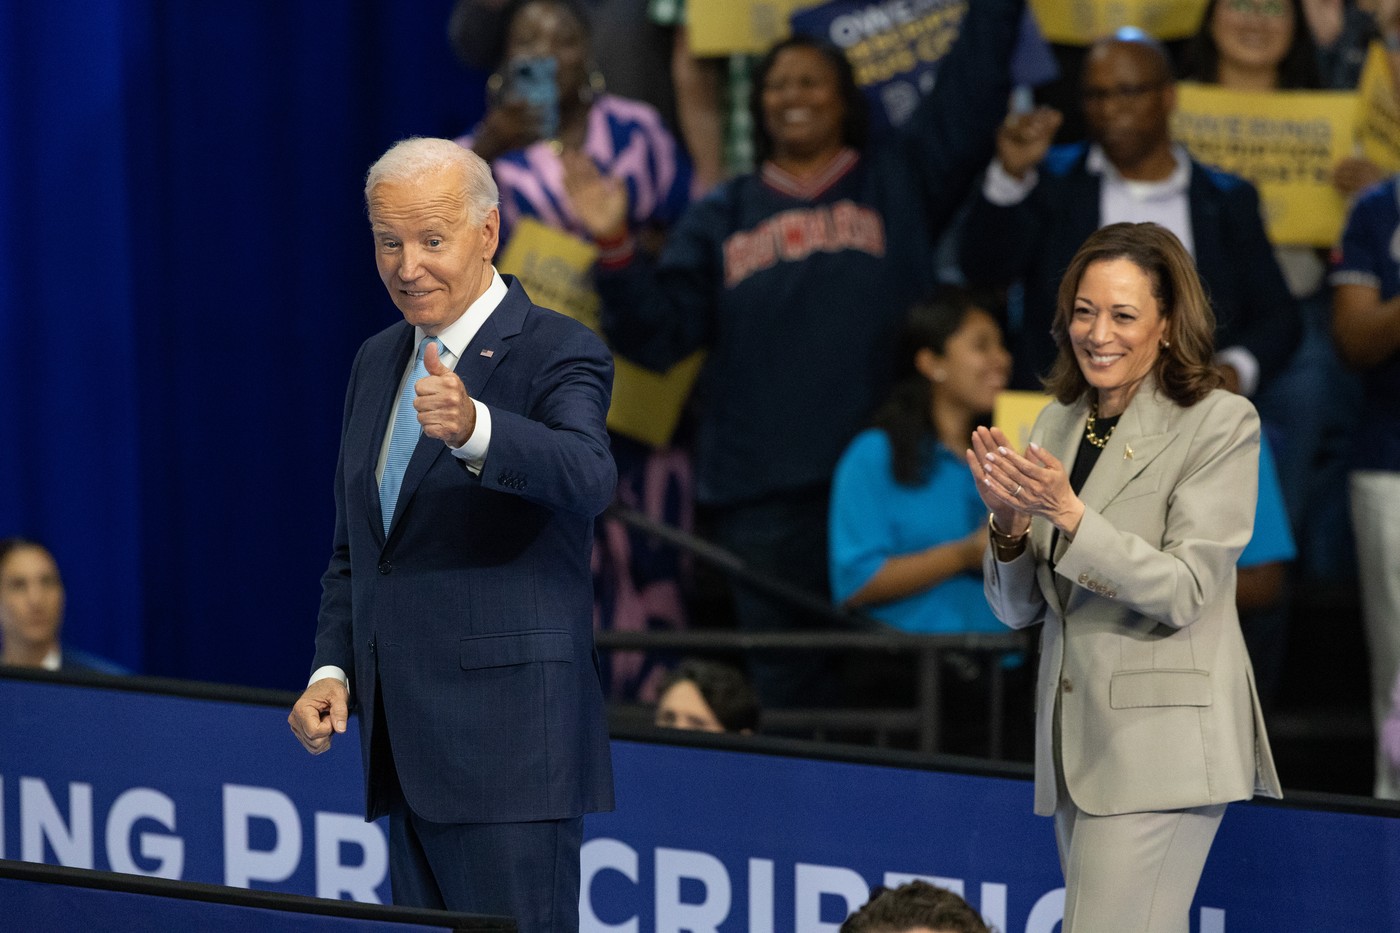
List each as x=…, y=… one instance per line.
x=783, y=536
x=529, y=871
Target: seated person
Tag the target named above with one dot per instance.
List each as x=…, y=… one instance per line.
x=916, y=907
x=908, y=528
x=707, y=696
x=31, y=612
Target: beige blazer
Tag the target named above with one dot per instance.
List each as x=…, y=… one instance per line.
x=1141, y=647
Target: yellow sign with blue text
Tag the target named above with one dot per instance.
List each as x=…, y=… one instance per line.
x=1285, y=142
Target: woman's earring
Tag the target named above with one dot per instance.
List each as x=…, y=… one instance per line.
x=494, y=85
x=594, y=88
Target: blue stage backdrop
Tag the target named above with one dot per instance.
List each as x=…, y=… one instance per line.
x=187, y=274
x=720, y=837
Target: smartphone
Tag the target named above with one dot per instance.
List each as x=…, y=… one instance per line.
x=533, y=80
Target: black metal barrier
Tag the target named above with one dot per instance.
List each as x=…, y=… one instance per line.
x=848, y=631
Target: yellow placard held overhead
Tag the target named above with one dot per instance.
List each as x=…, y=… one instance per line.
x=1015, y=414
x=1378, y=117
x=555, y=268
x=1080, y=22
x=1285, y=142
x=724, y=27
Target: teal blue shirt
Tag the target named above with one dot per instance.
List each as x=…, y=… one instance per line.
x=873, y=518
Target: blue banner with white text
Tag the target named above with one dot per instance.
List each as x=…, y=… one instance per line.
x=703, y=839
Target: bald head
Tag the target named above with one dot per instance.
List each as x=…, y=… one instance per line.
x=1129, y=95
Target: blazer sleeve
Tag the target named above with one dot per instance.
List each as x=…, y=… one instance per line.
x=1209, y=519
x=557, y=453
x=1012, y=590
x=334, y=639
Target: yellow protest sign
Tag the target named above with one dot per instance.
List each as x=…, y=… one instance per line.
x=1285, y=142
x=1378, y=119
x=555, y=268
x=1015, y=414
x=1080, y=22
x=723, y=27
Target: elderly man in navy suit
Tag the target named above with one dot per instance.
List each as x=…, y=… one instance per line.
x=456, y=614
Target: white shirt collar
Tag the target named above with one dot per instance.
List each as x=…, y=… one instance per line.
x=459, y=333
x=1096, y=163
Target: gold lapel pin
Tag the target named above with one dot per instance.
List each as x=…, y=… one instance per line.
x=1127, y=451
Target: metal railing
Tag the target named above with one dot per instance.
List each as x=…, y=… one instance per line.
x=848, y=632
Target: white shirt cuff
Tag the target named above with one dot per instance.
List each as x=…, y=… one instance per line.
x=329, y=670
x=1245, y=364
x=475, y=449
x=1002, y=190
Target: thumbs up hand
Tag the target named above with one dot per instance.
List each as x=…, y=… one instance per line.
x=445, y=410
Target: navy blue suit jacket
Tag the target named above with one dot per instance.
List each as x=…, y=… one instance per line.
x=471, y=625
x=1034, y=241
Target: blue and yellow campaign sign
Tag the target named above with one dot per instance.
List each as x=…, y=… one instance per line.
x=1285, y=142
x=1378, y=119
x=556, y=270
x=1080, y=22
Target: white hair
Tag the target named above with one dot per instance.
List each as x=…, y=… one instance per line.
x=419, y=156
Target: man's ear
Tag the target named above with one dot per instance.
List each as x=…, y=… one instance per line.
x=491, y=233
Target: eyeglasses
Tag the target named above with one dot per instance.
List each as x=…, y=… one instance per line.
x=1130, y=92
x=1270, y=8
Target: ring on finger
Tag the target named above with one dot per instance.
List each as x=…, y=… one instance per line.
x=1017, y=491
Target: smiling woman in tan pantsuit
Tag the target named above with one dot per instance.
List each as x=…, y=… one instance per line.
x=1118, y=530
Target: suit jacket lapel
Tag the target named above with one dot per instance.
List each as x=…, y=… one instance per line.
x=474, y=367
x=1140, y=436
x=384, y=415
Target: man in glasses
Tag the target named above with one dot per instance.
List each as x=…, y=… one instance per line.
x=1037, y=204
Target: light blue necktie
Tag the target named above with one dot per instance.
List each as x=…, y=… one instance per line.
x=407, y=430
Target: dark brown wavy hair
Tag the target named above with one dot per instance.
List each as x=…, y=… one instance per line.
x=1184, y=370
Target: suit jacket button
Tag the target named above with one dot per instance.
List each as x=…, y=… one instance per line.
x=371, y=645
x=1067, y=685
x=1084, y=578
x=385, y=567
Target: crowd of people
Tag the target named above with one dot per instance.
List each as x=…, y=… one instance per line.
x=818, y=440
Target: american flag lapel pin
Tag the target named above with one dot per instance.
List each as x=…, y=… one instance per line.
x=488, y=353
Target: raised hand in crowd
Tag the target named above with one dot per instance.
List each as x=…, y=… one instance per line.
x=1024, y=138
x=1355, y=174
x=508, y=125
x=599, y=201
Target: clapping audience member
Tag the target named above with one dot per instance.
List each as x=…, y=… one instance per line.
x=1038, y=203
x=795, y=279
x=1366, y=322
x=31, y=612
x=707, y=696
x=1117, y=531
x=915, y=907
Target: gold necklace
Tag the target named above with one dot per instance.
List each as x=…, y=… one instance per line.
x=1089, y=424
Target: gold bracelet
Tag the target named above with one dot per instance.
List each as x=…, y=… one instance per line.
x=1001, y=538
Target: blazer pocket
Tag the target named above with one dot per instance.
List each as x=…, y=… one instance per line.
x=507, y=648
x=1130, y=689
